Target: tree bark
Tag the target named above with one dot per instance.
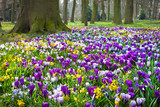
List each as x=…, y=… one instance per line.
x=155, y=9
x=0, y=25
x=117, y=12
x=73, y=10
x=4, y=9
x=39, y=16
x=94, y=12
x=82, y=11
x=150, y=9
x=128, y=12
x=109, y=2
x=85, y=3
x=65, y=8
x=13, y=11
x=103, y=12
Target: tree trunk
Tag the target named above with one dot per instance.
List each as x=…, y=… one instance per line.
x=155, y=9
x=109, y=2
x=117, y=12
x=65, y=8
x=150, y=9
x=103, y=12
x=0, y=25
x=39, y=16
x=85, y=3
x=94, y=12
x=82, y=11
x=128, y=12
x=4, y=9
x=73, y=10
x=13, y=11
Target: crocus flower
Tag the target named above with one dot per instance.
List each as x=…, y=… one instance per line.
x=79, y=80
x=64, y=89
x=133, y=103
x=40, y=85
x=21, y=81
x=159, y=77
x=31, y=88
x=45, y=104
x=16, y=83
x=157, y=93
x=87, y=104
x=91, y=77
x=60, y=100
x=96, y=71
x=44, y=92
x=74, y=57
x=129, y=83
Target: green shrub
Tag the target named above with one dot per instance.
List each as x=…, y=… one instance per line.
x=142, y=15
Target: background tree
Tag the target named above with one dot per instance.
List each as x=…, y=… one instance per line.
x=0, y=25
x=85, y=3
x=4, y=9
x=39, y=16
x=117, y=12
x=103, y=12
x=128, y=12
x=73, y=10
x=155, y=9
x=108, y=15
x=13, y=11
x=94, y=12
x=82, y=4
x=65, y=8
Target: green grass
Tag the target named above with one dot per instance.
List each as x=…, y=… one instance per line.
x=137, y=23
x=6, y=27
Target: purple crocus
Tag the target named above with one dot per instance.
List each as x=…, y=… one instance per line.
x=159, y=77
x=96, y=71
x=31, y=88
x=79, y=80
x=74, y=57
x=64, y=89
x=109, y=74
x=91, y=77
x=7, y=64
x=16, y=83
x=40, y=85
x=129, y=83
x=157, y=94
x=21, y=81
x=45, y=104
x=44, y=92
x=87, y=104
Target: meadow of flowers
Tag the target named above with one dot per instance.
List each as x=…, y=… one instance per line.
x=89, y=66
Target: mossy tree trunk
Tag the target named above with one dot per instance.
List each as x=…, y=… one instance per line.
x=117, y=12
x=13, y=11
x=150, y=9
x=128, y=19
x=82, y=20
x=4, y=9
x=155, y=9
x=103, y=12
x=73, y=10
x=65, y=10
x=85, y=3
x=0, y=25
x=39, y=16
x=94, y=12
x=109, y=2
